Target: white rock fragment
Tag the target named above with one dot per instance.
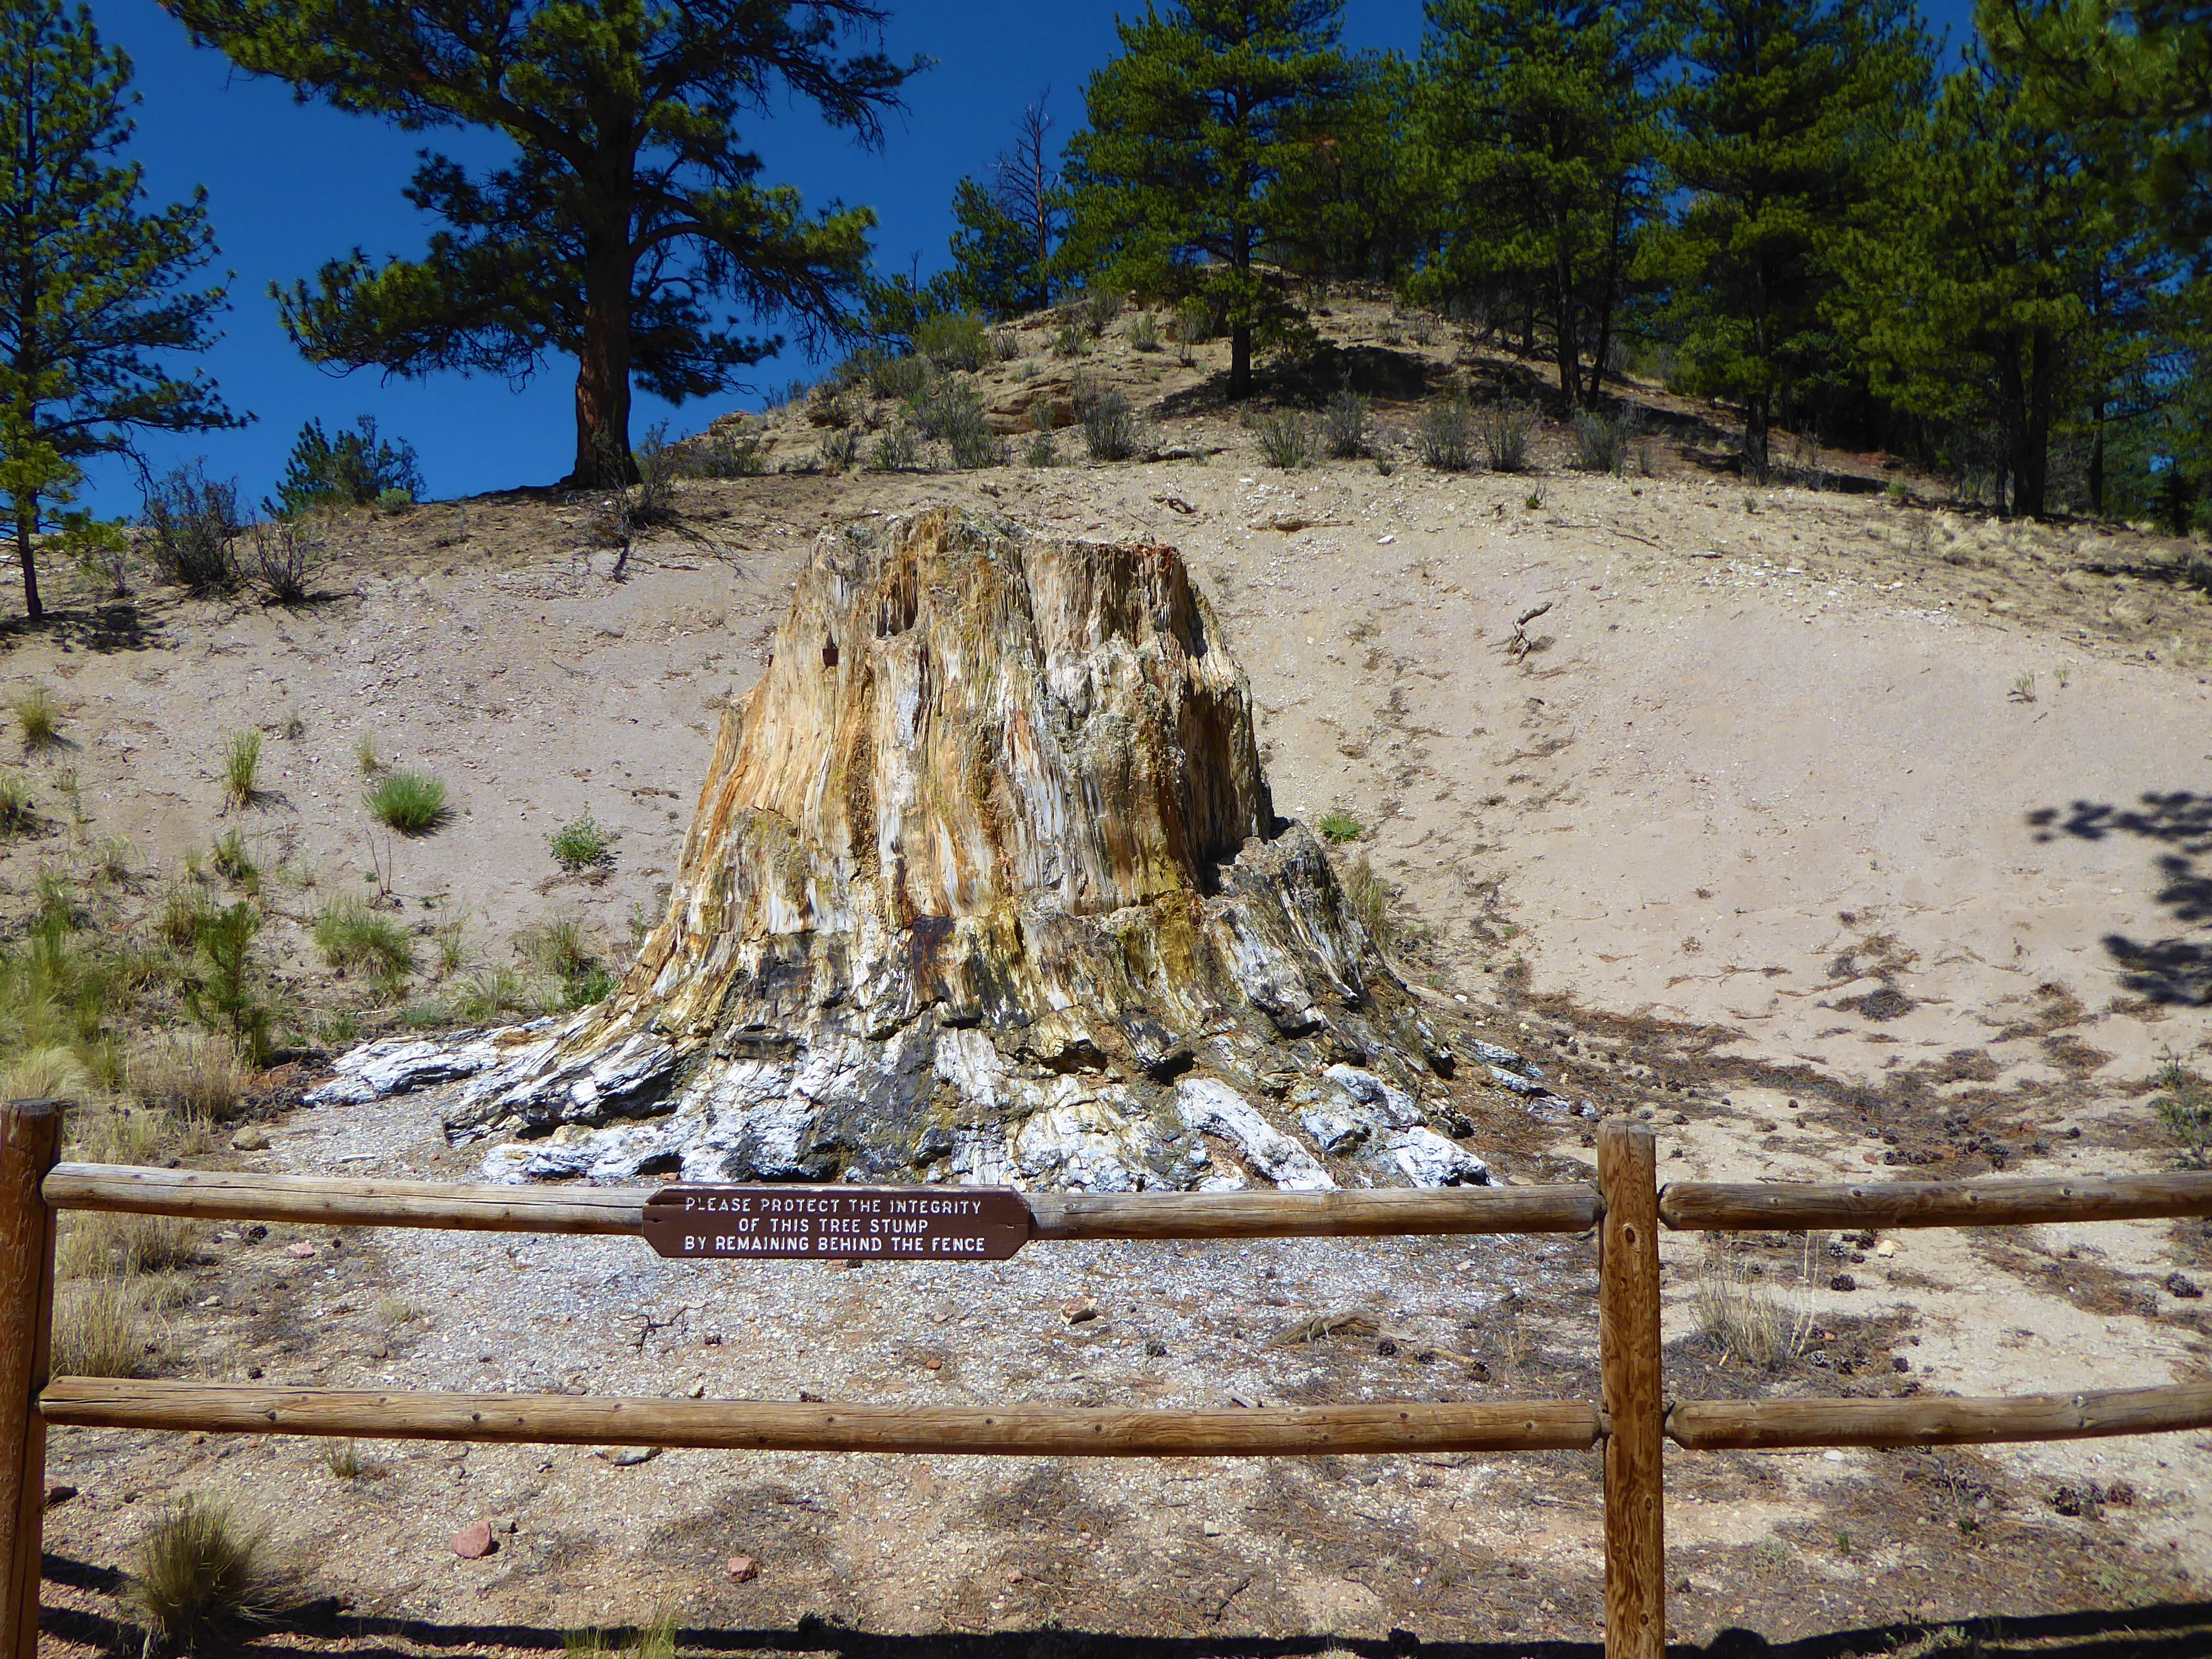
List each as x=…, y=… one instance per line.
x=1427, y=1159
x=1208, y=1104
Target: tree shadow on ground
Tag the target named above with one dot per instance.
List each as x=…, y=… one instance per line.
x=119, y=626
x=2176, y=969
x=2160, y=1631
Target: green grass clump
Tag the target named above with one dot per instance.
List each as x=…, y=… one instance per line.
x=232, y=860
x=1341, y=827
x=2185, y=1109
x=38, y=717
x=561, y=949
x=412, y=803
x=485, y=996
x=16, y=815
x=197, y=1577
x=583, y=844
x=242, y=769
x=351, y=935
x=452, y=941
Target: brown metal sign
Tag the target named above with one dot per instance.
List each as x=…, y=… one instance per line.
x=871, y=1223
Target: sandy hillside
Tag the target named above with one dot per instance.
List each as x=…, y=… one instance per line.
x=1827, y=828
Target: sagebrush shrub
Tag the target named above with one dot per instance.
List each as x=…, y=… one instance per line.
x=1344, y=426
x=895, y=376
x=1110, y=429
x=192, y=528
x=284, y=553
x=840, y=449
x=1286, y=438
x=951, y=411
x=1601, y=442
x=1506, y=429
x=899, y=449
x=1446, y=437
x=724, y=453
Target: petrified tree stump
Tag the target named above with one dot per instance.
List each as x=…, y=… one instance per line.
x=985, y=885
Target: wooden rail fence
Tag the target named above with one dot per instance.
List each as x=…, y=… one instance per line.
x=1631, y=1423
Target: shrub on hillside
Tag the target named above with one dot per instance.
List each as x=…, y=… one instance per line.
x=1447, y=436
x=353, y=469
x=192, y=528
x=1110, y=429
x=953, y=340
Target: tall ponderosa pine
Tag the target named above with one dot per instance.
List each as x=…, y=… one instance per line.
x=1344, y=205
x=2001, y=280
x=89, y=286
x=1191, y=129
x=1535, y=141
x=1779, y=124
x=632, y=211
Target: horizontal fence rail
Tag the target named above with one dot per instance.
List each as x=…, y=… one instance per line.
x=779, y=1425
x=341, y=1202
x=2006, y=1201
x=1766, y=1425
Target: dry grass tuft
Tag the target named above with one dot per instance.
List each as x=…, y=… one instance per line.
x=97, y=1330
x=1368, y=897
x=192, y=1074
x=44, y=1074
x=1745, y=1321
x=655, y=1639
x=198, y=1577
x=123, y=1247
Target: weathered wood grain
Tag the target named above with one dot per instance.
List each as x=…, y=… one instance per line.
x=779, y=1425
x=2003, y=1201
x=1628, y=1347
x=1753, y=1424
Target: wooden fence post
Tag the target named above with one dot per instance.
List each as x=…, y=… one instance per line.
x=1628, y=1346
x=30, y=1140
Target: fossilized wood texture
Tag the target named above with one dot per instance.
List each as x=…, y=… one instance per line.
x=985, y=885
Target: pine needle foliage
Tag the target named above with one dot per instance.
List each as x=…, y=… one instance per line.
x=93, y=289
x=612, y=239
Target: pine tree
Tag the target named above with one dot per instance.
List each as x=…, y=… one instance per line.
x=1191, y=129
x=1777, y=127
x=1345, y=206
x=2002, y=280
x=91, y=288
x=630, y=212
x=1009, y=232
x=1535, y=142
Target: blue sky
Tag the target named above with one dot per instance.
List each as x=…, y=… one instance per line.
x=290, y=185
